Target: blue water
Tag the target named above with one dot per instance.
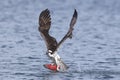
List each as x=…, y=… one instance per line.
x=92, y=54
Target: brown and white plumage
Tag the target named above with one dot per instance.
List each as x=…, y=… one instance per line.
x=51, y=43
x=44, y=26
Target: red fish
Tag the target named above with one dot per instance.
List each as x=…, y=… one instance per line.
x=52, y=67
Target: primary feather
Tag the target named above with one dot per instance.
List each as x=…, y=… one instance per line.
x=44, y=26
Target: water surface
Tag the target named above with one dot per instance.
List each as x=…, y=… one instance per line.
x=92, y=54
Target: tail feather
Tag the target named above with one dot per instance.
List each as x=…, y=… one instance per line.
x=63, y=66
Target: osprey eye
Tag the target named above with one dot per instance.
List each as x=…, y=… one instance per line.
x=49, y=53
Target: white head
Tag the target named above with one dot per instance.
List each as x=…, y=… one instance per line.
x=50, y=53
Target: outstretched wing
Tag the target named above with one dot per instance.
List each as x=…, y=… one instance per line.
x=69, y=33
x=44, y=26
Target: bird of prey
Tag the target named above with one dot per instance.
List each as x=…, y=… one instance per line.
x=51, y=43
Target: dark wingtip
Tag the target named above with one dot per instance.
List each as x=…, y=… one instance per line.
x=75, y=13
x=45, y=11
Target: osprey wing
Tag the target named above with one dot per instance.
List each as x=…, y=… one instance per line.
x=44, y=26
x=69, y=33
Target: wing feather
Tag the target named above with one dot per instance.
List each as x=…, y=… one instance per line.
x=69, y=33
x=44, y=26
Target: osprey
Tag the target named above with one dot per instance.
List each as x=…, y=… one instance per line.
x=51, y=43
